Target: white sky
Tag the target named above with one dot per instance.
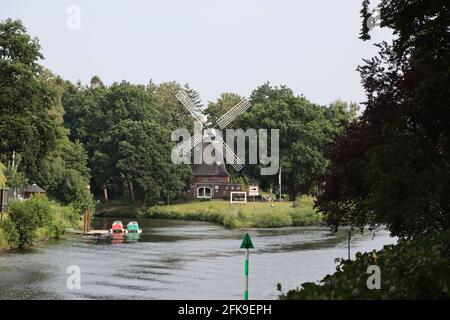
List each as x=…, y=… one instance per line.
x=311, y=46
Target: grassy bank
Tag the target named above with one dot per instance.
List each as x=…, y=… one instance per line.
x=257, y=215
x=36, y=219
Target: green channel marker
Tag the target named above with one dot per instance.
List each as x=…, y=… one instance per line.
x=246, y=244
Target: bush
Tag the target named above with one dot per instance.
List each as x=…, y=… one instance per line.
x=305, y=217
x=40, y=218
x=412, y=269
x=9, y=236
x=27, y=216
x=4, y=245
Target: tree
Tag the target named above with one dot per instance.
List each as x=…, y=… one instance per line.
x=342, y=113
x=173, y=113
x=26, y=123
x=16, y=180
x=91, y=114
x=120, y=126
x=141, y=152
x=304, y=132
x=224, y=103
x=65, y=176
x=392, y=166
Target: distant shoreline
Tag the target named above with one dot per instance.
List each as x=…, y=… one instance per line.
x=250, y=215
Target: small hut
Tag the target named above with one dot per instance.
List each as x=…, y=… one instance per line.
x=31, y=190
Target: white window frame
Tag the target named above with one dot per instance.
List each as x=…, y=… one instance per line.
x=204, y=192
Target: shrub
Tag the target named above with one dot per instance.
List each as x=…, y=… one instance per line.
x=412, y=269
x=9, y=236
x=305, y=217
x=40, y=218
x=258, y=215
x=28, y=216
x=4, y=245
x=69, y=213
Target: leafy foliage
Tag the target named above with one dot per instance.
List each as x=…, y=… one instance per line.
x=65, y=176
x=15, y=179
x=9, y=236
x=222, y=105
x=37, y=218
x=393, y=165
x=28, y=216
x=305, y=129
x=121, y=128
x=2, y=175
x=26, y=124
x=412, y=269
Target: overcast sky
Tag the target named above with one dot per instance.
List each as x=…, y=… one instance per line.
x=215, y=46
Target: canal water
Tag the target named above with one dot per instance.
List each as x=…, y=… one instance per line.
x=179, y=260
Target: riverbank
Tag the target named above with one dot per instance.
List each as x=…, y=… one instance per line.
x=250, y=215
x=34, y=220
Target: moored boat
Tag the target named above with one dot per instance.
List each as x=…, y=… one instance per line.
x=133, y=228
x=117, y=228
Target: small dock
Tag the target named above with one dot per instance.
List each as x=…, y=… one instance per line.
x=89, y=233
x=96, y=233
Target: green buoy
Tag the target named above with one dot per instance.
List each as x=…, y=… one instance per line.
x=246, y=244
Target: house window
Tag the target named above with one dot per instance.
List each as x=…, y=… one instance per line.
x=204, y=192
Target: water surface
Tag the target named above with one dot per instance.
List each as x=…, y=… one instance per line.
x=178, y=260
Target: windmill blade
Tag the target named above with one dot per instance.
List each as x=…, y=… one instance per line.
x=228, y=117
x=189, y=105
x=230, y=156
x=187, y=145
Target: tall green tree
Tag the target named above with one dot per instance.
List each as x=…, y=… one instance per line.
x=172, y=112
x=305, y=128
x=91, y=114
x=141, y=152
x=222, y=105
x=392, y=167
x=26, y=123
x=121, y=129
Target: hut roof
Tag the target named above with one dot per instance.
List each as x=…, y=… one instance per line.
x=34, y=188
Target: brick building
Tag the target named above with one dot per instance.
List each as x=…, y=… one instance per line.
x=211, y=182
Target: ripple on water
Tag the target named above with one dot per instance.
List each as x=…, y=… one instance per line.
x=179, y=260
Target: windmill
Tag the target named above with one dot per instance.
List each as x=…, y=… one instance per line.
x=184, y=148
